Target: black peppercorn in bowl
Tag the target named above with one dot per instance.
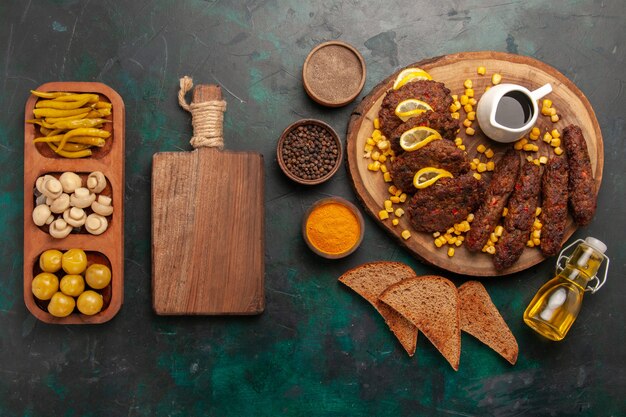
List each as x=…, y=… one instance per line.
x=309, y=151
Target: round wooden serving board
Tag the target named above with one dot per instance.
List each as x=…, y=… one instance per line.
x=572, y=107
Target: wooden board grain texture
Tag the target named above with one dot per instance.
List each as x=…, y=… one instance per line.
x=572, y=107
x=207, y=230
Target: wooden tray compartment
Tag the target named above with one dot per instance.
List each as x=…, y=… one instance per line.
x=110, y=161
x=572, y=107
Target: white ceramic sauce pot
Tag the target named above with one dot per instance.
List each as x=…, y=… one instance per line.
x=491, y=105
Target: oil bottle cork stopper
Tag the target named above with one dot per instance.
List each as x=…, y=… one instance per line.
x=596, y=244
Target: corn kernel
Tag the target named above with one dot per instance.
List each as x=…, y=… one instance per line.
x=403, y=197
x=392, y=189
x=536, y=234
x=394, y=199
x=387, y=177
x=453, y=108
x=554, y=118
x=461, y=147
x=399, y=212
x=537, y=211
x=468, y=108
x=518, y=145
x=464, y=100
x=455, y=115
x=455, y=97
x=491, y=250
x=436, y=234
x=528, y=147
x=375, y=155
x=536, y=241
x=547, y=137
x=543, y=160
x=480, y=149
x=450, y=231
x=458, y=104
x=452, y=240
x=376, y=134
x=450, y=252
x=484, y=249
x=370, y=141
x=535, y=131
x=558, y=150
x=529, y=158
x=555, y=133
x=388, y=206
x=552, y=111
x=493, y=238
x=395, y=222
x=469, y=92
x=491, y=166
x=458, y=141
x=470, y=131
x=477, y=175
x=537, y=224
x=523, y=141
x=536, y=162
x=383, y=144
x=547, y=103
x=533, y=137
x=530, y=244
x=545, y=111
x=487, y=88
x=496, y=79
x=382, y=159
x=467, y=83
x=438, y=243
x=467, y=122
x=473, y=166
x=458, y=242
x=376, y=123
x=382, y=215
x=482, y=167
x=498, y=230
x=372, y=166
x=489, y=153
x=383, y=167
x=471, y=116
x=505, y=211
x=473, y=101
x=406, y=234
x=368, y=148
x=481, y=70
x=470, y=217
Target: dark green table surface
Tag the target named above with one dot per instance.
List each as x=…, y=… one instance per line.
x=318, y=349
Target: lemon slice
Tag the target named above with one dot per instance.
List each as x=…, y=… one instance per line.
x=426, y=177
x=410, y=74
x=411, y=108
x=417, y=137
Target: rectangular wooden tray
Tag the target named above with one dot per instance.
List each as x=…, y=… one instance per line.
x=105, y=248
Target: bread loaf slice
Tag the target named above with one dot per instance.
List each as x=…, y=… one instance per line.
x=481, y=319
x=370, y=280
x=431, y=303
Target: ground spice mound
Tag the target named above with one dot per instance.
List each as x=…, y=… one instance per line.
x=333, y=228
x=334, y=73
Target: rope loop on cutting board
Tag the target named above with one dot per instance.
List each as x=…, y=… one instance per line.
x=207, y=118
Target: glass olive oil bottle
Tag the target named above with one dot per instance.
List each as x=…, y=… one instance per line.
x=554, y=308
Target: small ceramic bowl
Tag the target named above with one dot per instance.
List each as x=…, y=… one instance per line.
x=283, y=142
x=345, y=203
x=333, y=73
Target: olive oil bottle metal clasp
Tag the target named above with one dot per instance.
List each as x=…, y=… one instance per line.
x=556, y=305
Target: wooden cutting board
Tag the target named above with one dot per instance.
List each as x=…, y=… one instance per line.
x=572, y=107
x=207, y=229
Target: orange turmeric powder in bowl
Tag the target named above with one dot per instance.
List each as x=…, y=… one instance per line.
x=333, y=228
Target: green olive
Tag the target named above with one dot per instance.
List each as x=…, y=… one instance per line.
x=89, y=303
x=61, y=305
x=74, y=261
x=50, y=260
x=72, y=285
x=98, y=276
x=44, y=285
